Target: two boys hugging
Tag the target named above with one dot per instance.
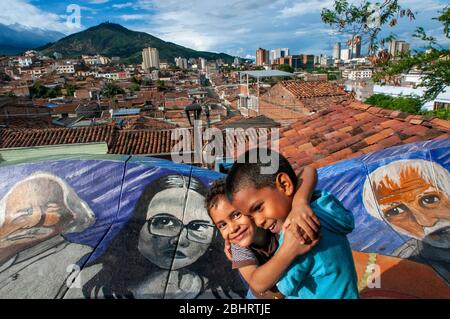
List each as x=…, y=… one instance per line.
x=285, y=238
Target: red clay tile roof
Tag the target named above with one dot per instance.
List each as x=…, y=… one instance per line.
x=142, y=142
x=54, y=136
x=146, y=122
x=302, y=89
x=149, y=142
x=65, y=108
x=350, y=129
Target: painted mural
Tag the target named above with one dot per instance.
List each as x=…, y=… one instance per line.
x=110, y=228
x=400, y=200
x=136, y=227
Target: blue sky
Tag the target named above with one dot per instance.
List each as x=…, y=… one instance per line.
x=236, y=27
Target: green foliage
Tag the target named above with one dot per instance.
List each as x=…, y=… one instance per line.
x=434, y=63
x=365, y=19
x=160, y=84
x=135, y=80
x=285, y=68
x=4, y=77
x=442, y=113
x=134, y=87
x=146, y=82
x=110, y=90
x=404, y=104
x=10, y=94
x=70, y=89
x=40, y=91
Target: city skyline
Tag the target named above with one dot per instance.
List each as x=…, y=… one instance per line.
x=200, y=24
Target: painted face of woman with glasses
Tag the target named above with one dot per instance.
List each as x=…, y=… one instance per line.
x=169, y=240
x=166, y=248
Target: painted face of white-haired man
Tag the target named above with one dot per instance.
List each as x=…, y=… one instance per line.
x=413, y=196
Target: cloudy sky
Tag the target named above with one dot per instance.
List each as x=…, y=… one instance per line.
x=236, y=27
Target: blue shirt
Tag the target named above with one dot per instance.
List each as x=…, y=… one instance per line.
x=328, y=270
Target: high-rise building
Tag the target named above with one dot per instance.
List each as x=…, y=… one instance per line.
x=203, y=63
x=297, y=61
x=355, y=46
x=182, y=63
x=337, y=50
x=262, y=56
x=317, y=59
x=308, y=61
x=278, y=53
x=396, y=47
x=346, y=54
x=150, y=58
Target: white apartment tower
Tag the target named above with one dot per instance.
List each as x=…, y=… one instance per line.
x=337, y=51
x=396, y=47
x=150, y=58
x=278, y=53
x=182, y=63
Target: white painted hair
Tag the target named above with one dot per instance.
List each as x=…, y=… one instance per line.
x=428, y=170
x=84, y=217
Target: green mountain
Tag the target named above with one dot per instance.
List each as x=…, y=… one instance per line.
x=112, y=39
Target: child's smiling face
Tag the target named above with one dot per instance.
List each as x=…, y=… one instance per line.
x=233, y=226
x=267, y=206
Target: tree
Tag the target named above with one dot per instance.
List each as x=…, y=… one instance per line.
x=70, y=89
x=5, y=77
x=40, y=91
x=110, y=90
x=433, y=62
x=365, y=19
x=160, y=84
x=147, y=82
x=134, y=79
x=368, y=20
x=405, y=104
x=285, y=68
x=134, y=87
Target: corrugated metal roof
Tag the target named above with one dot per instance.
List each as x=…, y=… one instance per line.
x=266, y=73
x=119, y=112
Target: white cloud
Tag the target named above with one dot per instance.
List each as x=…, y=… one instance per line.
x=25, y=13
x=133, y=17
x=98, y=1
x=304, y=7
x=123, y=5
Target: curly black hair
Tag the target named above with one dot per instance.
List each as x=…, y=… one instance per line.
x=248, y=168
x=216, y=190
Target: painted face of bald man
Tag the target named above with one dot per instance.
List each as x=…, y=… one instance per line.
x=34, y=211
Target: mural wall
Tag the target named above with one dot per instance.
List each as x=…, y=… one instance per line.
x=136, y=227
x=400, y=198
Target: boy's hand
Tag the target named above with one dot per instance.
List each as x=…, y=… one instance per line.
x=303, y=216
x=293, y=245
x=227, y=250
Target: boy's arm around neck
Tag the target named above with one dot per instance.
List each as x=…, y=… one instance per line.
x=264, y=277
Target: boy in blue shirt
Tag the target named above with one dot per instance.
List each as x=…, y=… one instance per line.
x=326, y=271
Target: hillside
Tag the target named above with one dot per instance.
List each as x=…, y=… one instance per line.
x=16, y=38
x=112, y=39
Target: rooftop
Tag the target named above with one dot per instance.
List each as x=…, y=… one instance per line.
x=302, y=89
x=349, y=129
